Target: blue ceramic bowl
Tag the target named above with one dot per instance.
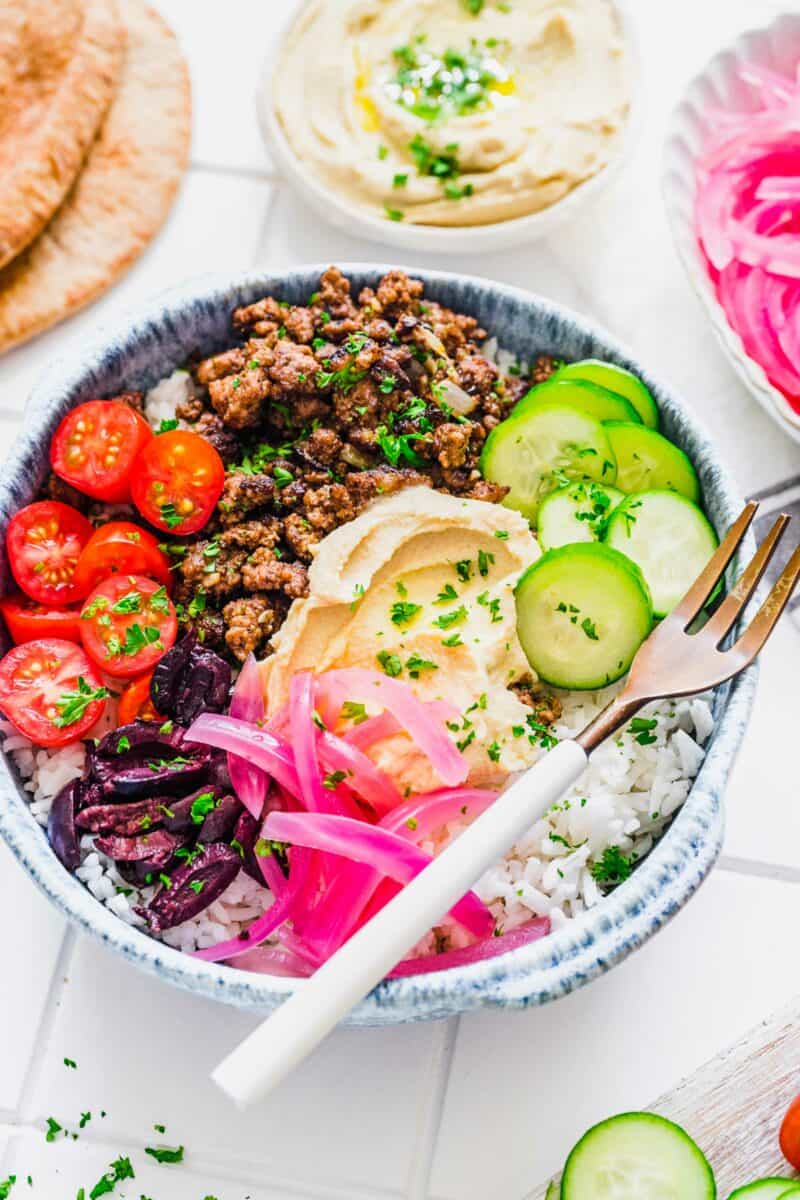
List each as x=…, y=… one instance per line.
x=196, y=318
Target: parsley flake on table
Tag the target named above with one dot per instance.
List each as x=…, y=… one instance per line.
x=70, y=1062
x=6, y=1186
x=165, y=1154
x=53, y=1129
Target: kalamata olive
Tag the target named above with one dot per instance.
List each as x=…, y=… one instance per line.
x=167, y=776
x=157, y=847
x=139, y=735
x=61, y=826
x=179, y=818
x=219, y=824
x=126, y=820
x=193, y=887
x=190, y=680
x=246, y=834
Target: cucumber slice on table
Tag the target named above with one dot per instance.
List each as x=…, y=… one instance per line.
x=646, y=460
x=767, y=1189
x=582, y=613
x=637, y=1156
x=577, y=513
x=616, y=379
x=669, y=538
x=537, y=451
x=587, y=397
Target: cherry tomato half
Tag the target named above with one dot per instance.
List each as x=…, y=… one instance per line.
x=135, y=702
x=44, y=542
x=120, y=547
x=127, y=623
x=95, y=446
x=177, y=481
x=50, y=691
x=28, y=620
x=790, y=1134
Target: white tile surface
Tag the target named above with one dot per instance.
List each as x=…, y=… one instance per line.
x=524, y=1086
x=360, y=1120
x=323, y=1124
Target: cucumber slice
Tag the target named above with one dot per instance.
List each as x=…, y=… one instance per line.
x=577, y=513
x=616, y=379
x=582, y=613
x=766, y=1189
x=541, y=449
x=637, y=1156
x=669, y=538
x=553, y=1191
x=646, y=461
x=587, y=397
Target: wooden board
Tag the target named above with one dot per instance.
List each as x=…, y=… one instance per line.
x=733, y=1105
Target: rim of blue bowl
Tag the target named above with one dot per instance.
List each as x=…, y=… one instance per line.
x=587, y=946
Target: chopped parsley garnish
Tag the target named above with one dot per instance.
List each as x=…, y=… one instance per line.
x=390, y=663
x=197, y=604
x=589, y=629
x=53, y=1129
x=383, y=152
x=494, y=751
x=387, y=385
x=131, y=602
x=282, y=477
x=354, y=711
x=202, y=806
x=472, y=6
x=613, y=867
x=394, y=214
x=136, y=638
x=435, y=86
x=446, y=595
x=642, y=729
x=403, y=612
x=166, y=764
x=333, y=779
x=396, y=447
x=119, y=1170
x=430, y=162
x=164, y=1154
x=502, y=534
x=416, y=665
x=170, y=516
x=485, y=560
x=358, y=596
x=167, y=425
x=91, y=610
x=73, y=705
x=85, y=1119
x=6, y=1186
x=197, y=886
x=453, y=640
x=400, y=181
x=464, y=570
x=448, y=619
x=467, y=741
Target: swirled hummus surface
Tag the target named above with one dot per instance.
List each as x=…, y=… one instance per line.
x=421, y=586
x=454, y=112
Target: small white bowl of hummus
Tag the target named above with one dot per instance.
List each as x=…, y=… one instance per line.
x=451, y=125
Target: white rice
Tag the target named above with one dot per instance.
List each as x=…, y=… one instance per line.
x=625, y=799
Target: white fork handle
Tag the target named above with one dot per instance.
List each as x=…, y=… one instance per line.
x=302, y=1021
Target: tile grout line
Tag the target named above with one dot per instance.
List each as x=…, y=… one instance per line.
x=758, y=869
x=431, y=1110
x=46, y=1024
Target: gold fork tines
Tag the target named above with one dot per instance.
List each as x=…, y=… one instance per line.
x=675, y=662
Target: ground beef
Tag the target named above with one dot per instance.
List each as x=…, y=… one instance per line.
x=322, y=407
x=545, y=706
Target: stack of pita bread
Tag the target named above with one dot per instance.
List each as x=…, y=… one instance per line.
x=94, y=137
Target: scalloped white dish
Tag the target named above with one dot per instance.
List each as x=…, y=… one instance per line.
x=718, y=86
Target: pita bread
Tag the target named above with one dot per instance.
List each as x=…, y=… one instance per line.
x=59, y=65
x=121, y=197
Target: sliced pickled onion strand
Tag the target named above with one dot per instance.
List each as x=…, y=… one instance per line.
x=249, y=782
x=523, y=935
x=264, y=749
x=384, y=851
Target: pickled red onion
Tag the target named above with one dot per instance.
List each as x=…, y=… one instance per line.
x=747, y=223
x=247, y=704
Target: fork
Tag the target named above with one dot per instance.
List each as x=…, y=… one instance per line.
x=672, y=662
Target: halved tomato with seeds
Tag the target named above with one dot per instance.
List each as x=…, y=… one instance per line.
x=177, y=481
x=27, y=620
x=135, y=702
x=127, y=623
x=50, y=692
x=121, y=548
x=95, y=446
x=44, y=542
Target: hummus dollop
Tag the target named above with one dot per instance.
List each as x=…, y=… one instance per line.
x=421, y=586
x=428, y=112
